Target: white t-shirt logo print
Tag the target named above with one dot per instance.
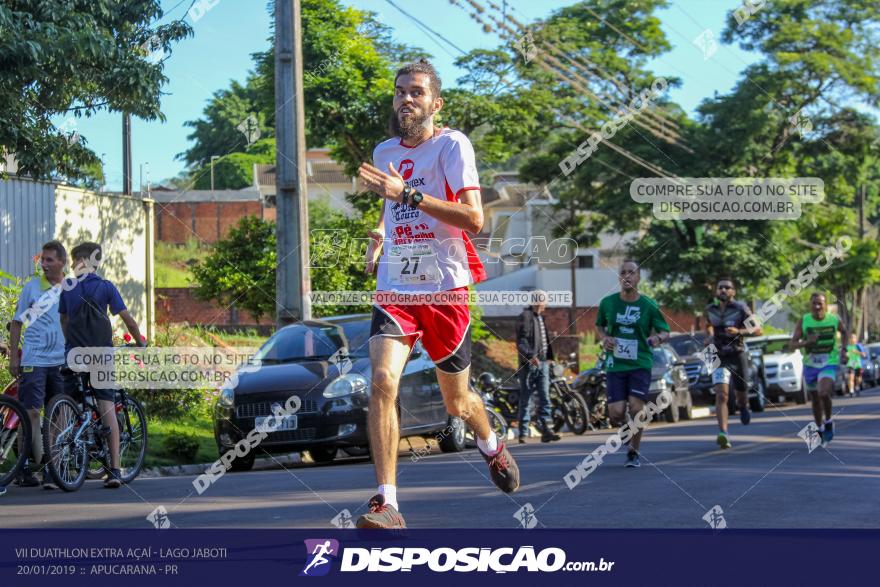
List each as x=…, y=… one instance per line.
x=631, y=316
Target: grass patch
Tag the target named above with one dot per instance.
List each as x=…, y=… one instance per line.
x=173, y=262
x=159, y=430
x=588, y=351
x=171, y=276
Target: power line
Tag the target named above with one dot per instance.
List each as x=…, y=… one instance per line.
x=655, y=169
x=429, y=30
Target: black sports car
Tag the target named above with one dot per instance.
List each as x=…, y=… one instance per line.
x=326, y=364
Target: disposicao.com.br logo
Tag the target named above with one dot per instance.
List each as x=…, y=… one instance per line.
x=442, y=560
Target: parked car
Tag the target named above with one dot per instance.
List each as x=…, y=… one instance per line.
x=871, y=371
x=783, y=369
x=690, y=347
x=326, y=364
x=668, y=374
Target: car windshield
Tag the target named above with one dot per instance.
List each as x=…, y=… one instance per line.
x=875, y=351
x=778, y=345
x=301, y=342
x=688, y=344
x=357, y=333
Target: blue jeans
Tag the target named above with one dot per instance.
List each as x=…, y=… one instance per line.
x=534, y=378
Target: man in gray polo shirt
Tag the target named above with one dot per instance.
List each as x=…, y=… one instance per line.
x=42, y=349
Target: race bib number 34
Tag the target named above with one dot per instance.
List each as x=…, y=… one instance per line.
x=413, y=263
x=626, y=348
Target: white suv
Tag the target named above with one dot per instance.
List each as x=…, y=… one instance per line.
x=783, y=369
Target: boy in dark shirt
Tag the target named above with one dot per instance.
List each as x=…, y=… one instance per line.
x=93, y=294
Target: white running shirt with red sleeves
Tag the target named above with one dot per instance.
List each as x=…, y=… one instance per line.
x=421, y=253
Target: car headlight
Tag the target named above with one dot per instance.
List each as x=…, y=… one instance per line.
x=787, y=367
x=227, y=397
x=346, y=385
x=658, y=384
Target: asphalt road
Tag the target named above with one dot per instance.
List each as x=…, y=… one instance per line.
x=768, y=480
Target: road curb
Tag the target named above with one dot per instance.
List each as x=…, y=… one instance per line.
x=268, y=464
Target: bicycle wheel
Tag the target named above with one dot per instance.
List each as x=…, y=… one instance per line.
x=15, y=431
x=132, y=438
x=66, y=452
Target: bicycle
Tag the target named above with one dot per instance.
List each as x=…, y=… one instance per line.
x=15, y=432
x=74, y=437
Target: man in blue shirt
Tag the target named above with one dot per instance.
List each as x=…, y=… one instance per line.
x=99, y=294
x=39, y=365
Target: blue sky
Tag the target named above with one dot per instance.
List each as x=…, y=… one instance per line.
x=227, y=34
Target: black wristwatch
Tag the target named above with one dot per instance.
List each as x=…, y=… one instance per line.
x=416, y=198
x=405, y=194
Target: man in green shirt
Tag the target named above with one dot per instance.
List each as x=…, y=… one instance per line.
x=818, y=333
x=855, y=353
x=625, y=321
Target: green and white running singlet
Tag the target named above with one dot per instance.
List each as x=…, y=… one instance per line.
x=826, y=350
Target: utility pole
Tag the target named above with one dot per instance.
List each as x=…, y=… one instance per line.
x=126, y=154
x=214, y=197
x=292, y=224
x=863, y=298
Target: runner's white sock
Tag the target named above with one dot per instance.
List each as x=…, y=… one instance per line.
x=490, y=445
x=828, y=421
x=390, y=494
x=822, y=428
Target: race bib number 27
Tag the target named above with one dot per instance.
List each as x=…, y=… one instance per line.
x=413, y=263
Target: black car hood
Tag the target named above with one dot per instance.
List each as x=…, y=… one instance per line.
x=300, y=376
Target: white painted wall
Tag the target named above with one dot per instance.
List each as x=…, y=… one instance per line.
x=123, y=226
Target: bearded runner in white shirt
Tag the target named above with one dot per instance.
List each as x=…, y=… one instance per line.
x=427, y=177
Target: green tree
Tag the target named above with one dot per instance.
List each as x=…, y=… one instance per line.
x=217, y=132
x=236, y=170
x=348, y=60
x=62, y=58
x=241, y=269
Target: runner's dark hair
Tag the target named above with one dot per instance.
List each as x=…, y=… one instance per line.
x=422, y=66
x=726, y=278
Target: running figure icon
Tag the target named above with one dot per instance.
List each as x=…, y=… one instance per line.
x=319, y=559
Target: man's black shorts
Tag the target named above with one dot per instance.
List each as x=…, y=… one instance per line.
x=38, y=385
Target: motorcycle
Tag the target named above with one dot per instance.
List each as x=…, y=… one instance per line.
x=566, y=408
x=497, y=421
x=591, y=386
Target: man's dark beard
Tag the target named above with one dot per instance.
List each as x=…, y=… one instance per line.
x=409, y=129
